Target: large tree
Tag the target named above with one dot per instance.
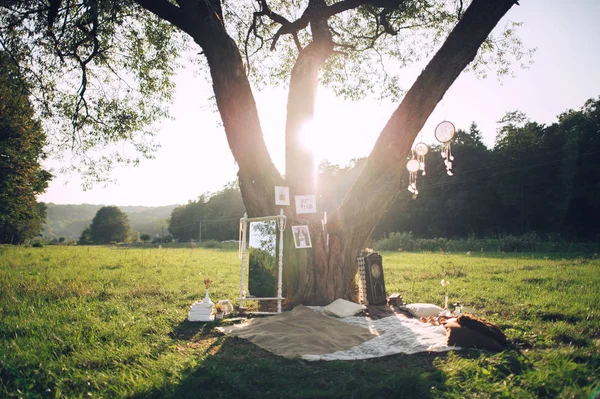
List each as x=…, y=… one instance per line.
x=341, y=43
x=109, y=225
x=22, y=177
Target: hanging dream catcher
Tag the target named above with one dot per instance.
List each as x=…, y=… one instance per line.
x=444, y=133
x=413, y=167
x=421, y=149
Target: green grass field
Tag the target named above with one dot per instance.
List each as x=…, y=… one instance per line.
x=111, y=322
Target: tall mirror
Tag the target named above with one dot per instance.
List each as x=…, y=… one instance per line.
x=262, y=262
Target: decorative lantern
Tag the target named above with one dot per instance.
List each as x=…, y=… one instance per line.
x=413, y=167
x=444, y=133
x=371, y=285
x=421, y=149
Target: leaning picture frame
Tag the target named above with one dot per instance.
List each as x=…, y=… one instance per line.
x=301, y=236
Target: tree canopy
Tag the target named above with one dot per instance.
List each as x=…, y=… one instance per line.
x=100, y=70
x=109, y=225
x=22, y=177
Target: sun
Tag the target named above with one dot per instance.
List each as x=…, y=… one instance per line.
x=341, y=131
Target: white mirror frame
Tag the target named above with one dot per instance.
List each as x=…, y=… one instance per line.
x=280, y=220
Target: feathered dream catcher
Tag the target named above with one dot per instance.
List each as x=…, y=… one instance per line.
x=421, y=149
x=416, y=164
x=413, y=168
x=444, y=133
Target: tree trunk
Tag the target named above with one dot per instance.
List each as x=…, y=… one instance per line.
x=320, y=275
x=300, y=169
x=327, y=276
x=203, y=21
x=299, y=165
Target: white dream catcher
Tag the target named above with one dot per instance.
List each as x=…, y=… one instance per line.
x=421, y=149
x=413, y=168
x=415, y=165
x=444, y=133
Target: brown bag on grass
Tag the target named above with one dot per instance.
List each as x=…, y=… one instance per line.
x=467, y=331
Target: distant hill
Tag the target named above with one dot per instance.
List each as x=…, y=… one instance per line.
x=70, y=220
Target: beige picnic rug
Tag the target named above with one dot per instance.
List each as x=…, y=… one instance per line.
x=301, y=331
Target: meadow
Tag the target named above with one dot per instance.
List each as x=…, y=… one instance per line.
x=111, y=322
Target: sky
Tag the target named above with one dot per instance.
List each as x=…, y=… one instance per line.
x=194, y=157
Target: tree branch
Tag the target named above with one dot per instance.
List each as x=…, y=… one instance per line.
x=165, y=10
x=203, y=21
x=301, y=102
x=323, y=13
x=387, y=160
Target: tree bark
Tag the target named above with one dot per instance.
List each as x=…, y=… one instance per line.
x=352, y=224
x=237, y=107
x=321, y=275
x=300, y=168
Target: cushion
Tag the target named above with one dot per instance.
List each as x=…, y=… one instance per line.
x=422, y=309
x=343, y=308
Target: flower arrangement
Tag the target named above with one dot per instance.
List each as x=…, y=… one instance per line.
x=207, y=283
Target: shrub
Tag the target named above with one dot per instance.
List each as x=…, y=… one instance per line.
x=396, y=241
x=527, y=242
x=509, y=243
x=212, y=244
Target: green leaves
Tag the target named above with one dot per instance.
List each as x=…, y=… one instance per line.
x=109, y=225
x=21, y=150
x=100, y=75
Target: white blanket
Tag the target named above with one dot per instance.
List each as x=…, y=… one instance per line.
x=397, y=335
x=310, y=333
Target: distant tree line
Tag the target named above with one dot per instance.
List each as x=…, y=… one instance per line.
x=217, y=215
x=69, y=221
x=536, y=179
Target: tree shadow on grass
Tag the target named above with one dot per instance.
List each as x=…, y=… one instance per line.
x=231, y=367
x=240, y=369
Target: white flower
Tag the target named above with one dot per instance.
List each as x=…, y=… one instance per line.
x=444, y=283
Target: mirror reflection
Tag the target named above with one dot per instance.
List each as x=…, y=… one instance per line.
x=262, y=263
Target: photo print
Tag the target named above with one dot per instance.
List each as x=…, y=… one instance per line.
x=282, y=195
x=306, y=204
x=301, y=237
